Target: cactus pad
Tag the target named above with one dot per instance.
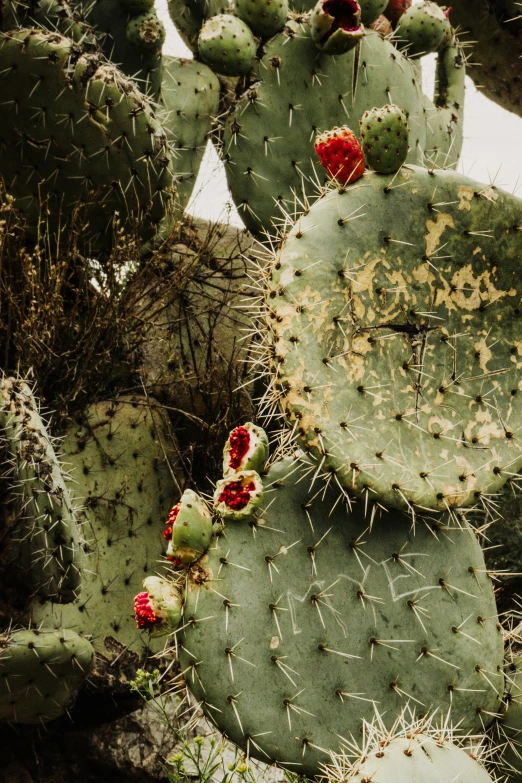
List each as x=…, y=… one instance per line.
x=397, y=343
x=118, y=454
x=294, y=92
x=40, y=671
x=309, y=619
x=76, y=131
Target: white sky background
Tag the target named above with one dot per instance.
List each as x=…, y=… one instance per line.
x=491, y=150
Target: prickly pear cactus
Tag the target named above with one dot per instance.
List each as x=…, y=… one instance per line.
x=40, y=672
x=396, y=344
x=119, y=454
x=77, y=132
x=414, y=756
x=294, y=91
x=304, y=619
x=42, y=537
x=188, y=103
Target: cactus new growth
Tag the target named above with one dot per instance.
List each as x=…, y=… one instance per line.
x=317, y=612
x=385, y=138
x=423, y=29
x=395, y=345
x=159, y=607
x=40, y=672
x=245, y=449
x=335, y=26
x=188, y=529
x=227, y=45
x=44, y=540
x=340, y=153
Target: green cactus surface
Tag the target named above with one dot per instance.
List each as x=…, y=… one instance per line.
x=311, y=615
x=385, y=138
x=264, y=17
x=396, y=343
x=40, y=672
x=227, y=45
x=76, y=131
x=43, y=544
x=423, y=29
x=296, y=92
x=118, y=454
x=419, y=758
x=188, y=103
x=371, y=10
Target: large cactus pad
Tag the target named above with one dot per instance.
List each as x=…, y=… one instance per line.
x=76, y=131
x=397, y=342
x=309, y=619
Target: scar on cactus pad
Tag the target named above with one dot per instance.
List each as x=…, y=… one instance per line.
x=314, y=613
x=396, y=347
x=340, y=153
x=335, y=25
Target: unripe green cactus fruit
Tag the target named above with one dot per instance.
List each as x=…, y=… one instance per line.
x=245, y=449
x=385, y=138
x=227, y=45
x=398, y=356
x=146, y=33
x=189, y=529
x=371, y=10
x=314, y=614
x=40, y=672
x=44, y=542
x=423, y=29
x=135, y=7
x=335, y=26
x=264, y=17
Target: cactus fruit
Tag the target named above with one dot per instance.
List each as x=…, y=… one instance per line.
x=238, y=495
x=227, y=45
x=293, y=92
x=371, y=10
x=40, y=671
x=423, y=29
x=340, y=153
x=245, y=449
x=395, y=9
x=158, y=608
x=76, y=131
x=118, y=452
x=382, y=26
x=396, y=357
x=335, y=26
x=385, y=138
x=146, y=33
x=264, y=17
x=316, y=613
x=189, y=529
x=44, y=541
